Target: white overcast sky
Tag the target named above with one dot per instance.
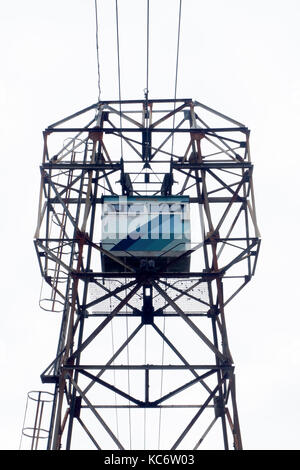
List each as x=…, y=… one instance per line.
x=240, y=57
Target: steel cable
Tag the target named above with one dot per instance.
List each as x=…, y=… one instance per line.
x=97, y=50
x=128, y=374
x=147, y=61
x=162, y=375
x=177, y=54
x=145, y=362
x=114, y=372
x=119, y=71
x=176, y=68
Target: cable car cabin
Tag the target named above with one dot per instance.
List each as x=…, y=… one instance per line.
x=146, y=233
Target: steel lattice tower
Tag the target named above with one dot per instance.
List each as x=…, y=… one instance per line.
x=143, y=357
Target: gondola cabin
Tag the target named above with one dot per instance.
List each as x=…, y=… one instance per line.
x=146, y=233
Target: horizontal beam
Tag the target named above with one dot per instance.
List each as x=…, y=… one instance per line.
x=177, y=100
x=147, y=406
x=149, y=275
x=212, y=165
x=81, y=166
x=193, y=200
x=135, y=314
x=110, y=130
x=147, y=367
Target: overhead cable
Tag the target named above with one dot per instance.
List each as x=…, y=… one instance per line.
x=177, y=54
x=97, y=50
x=176, y=68
x=147, y=53
x=119, y=71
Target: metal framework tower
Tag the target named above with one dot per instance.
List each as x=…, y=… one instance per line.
x=143, y=358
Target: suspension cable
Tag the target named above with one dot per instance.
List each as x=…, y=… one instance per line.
x=119, y=71
x=114, y=372
x=177, y=54
x=118, y=49
x=161, y=382
x=176, y=68
x=147, y=54
x=128, y=374
x=162, y=377
x=145, y=362
x=128, y=385
x=97, y=50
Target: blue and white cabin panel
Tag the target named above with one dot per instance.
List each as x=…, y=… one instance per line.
x=146, y=227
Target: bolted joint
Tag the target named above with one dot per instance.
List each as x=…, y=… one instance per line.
x=213, y=312
x=82, y=237
x=219, y=407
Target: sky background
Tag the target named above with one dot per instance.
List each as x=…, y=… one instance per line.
x=239, y=57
